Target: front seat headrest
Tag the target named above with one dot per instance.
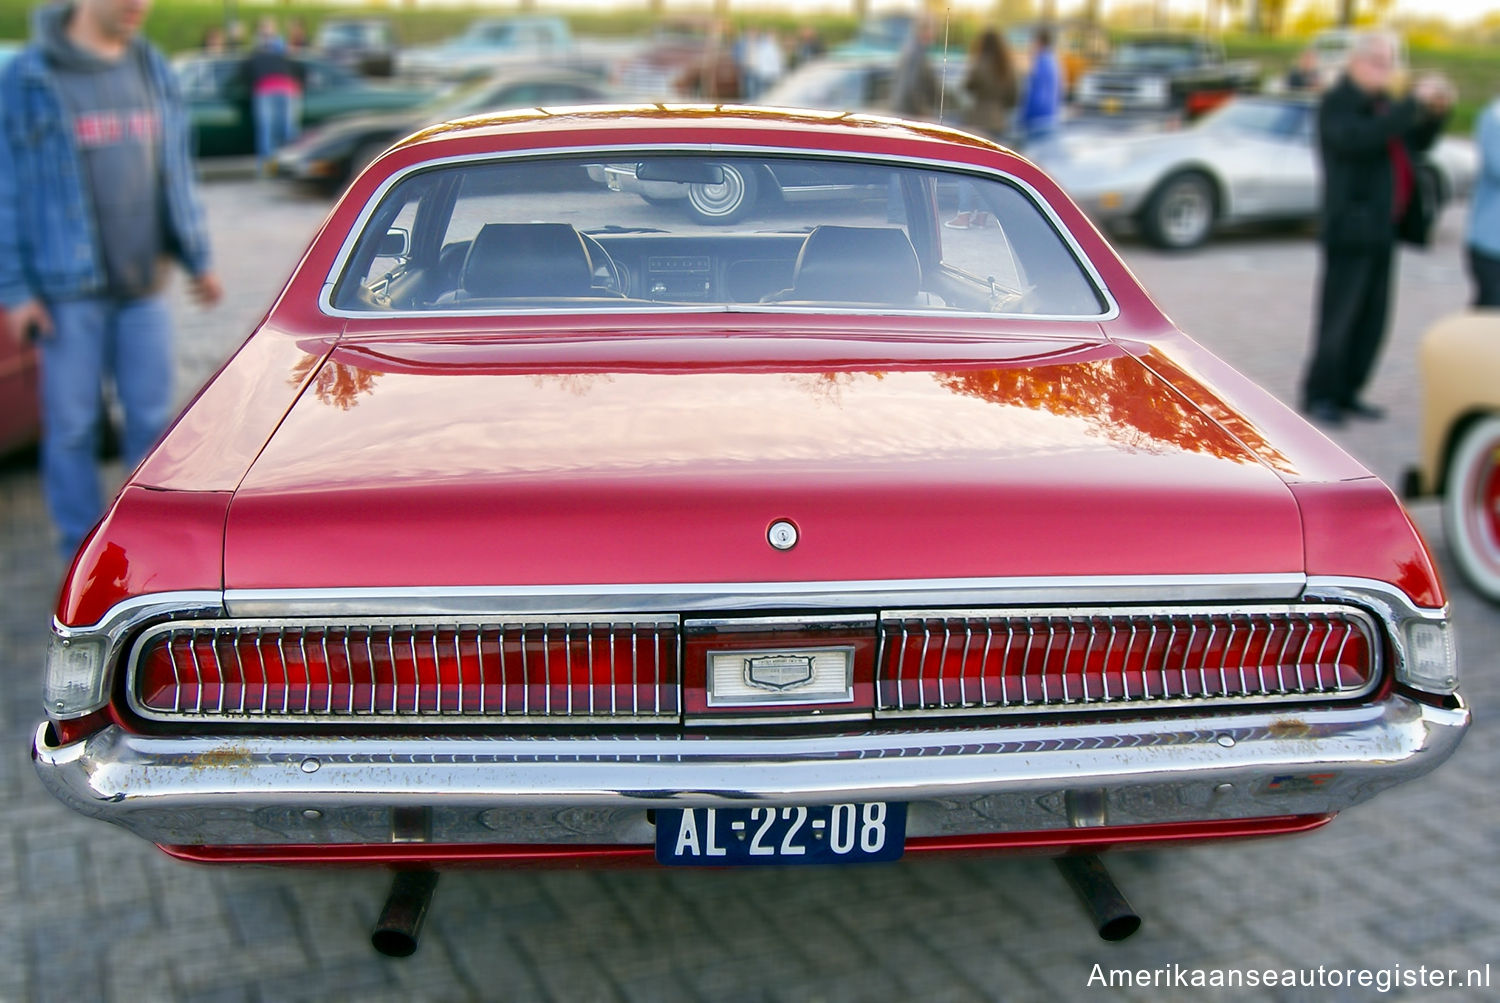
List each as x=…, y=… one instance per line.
x=527, y=259
x=857, y=264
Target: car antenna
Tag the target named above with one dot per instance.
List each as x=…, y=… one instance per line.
x=943, y=80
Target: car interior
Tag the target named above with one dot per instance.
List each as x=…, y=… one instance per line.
x=438, y=247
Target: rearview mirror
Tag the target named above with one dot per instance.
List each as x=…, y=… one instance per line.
x=395, y=244
x=680, y=169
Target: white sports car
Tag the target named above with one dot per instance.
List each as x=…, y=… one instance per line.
x=1253, y=159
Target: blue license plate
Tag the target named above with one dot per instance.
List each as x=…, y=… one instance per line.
x=819, y=834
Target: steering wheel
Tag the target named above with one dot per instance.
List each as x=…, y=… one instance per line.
x=606, y=273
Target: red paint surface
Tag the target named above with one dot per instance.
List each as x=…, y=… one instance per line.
x=149, y=541
x=20, y=418
x=1052, y=842
x=476, y=465
x=1358, y=528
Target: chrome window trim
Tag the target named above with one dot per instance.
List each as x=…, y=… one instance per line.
x=1110, y=312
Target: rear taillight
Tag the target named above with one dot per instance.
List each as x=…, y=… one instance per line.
x=614, y=669
x=1000, y=659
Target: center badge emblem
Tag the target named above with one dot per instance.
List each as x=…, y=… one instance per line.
x=779, y=672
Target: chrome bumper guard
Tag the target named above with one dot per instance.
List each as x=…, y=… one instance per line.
x=226, y=790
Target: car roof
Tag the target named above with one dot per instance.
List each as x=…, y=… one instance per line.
x=687, y=123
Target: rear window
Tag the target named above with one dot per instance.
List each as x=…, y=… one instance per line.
x=682, y=231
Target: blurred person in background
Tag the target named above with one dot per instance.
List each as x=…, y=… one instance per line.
x=275, y=83
x=915, y=90
x=94, y=109
x=296, y=36
x=993, y=92
x=213, y=40
x=809, y=45
x=1304, y=74
x=1484, y=211
x=1044, y=88
x=1368, y=141
x=767, y=61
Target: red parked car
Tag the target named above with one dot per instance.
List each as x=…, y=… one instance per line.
x=536, y=525
x=19, y=421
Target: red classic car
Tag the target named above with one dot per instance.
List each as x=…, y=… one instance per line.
x=539, y=526
x=19, y=421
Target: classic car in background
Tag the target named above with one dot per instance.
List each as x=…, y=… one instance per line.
x=335, y=152
x=1251, y=160
x=1162, y=73
x=1460, y=362
x=365, y=45
x=862, y=83
x=681, y=56
x=536, y=525
x=218, y=99
x=20, y=418
x=487, y=45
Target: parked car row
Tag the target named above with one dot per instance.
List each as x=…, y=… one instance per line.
x=331, y=154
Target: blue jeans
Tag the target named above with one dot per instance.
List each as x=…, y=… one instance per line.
x=276, y=117
x=129, y=341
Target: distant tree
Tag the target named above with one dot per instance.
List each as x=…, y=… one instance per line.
x=1347, y=11
x=1014, y=11
x=1272, y=14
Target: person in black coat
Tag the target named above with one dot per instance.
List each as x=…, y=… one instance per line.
x=1370, y=143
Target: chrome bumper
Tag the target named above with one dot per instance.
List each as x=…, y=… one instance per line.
x=219, y=790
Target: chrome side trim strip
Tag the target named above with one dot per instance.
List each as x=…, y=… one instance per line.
x=521, y=600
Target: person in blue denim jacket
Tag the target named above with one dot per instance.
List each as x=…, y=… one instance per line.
x=96, y=189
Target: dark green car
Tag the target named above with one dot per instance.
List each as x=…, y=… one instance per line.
x=218, y=99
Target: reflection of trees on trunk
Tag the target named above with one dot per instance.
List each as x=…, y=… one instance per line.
x=336, y=383
x=1119, y=399
x=828, y=388
x=577, y=384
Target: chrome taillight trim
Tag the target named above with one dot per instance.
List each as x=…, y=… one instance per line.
x=664, y=705
x=1176, y=618
x=1385, y=601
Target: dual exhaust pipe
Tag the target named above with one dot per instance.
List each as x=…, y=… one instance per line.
x=399, y=927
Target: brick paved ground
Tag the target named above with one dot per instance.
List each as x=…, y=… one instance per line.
x=89, y=913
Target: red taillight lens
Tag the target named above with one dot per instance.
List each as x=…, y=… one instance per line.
x=536, y=669
x=935, y=660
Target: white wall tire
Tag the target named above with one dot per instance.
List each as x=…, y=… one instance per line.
x=1471, y=506
x=724, y=202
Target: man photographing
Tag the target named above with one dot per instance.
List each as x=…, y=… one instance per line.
x=96, y=188
x=1369, y=141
